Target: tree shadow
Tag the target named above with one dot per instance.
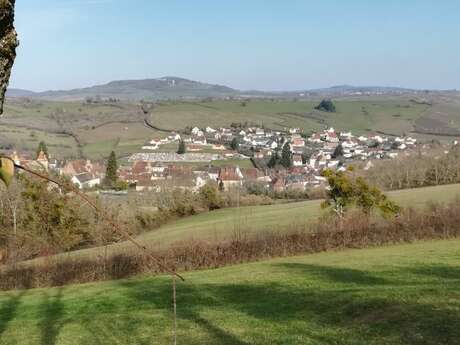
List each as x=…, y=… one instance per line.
x=220, y=335
x=191, y=300
x=373, y=312
x=335, y=274
x=444, y=272
x=52, y=322
x=8, y=310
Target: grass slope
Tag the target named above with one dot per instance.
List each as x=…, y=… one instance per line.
x=405, y=294
x=223, y=224
x=227, y=223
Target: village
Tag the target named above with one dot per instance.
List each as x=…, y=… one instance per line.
x=233, y=157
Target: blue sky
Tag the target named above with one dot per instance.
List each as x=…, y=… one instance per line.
x=246, y=44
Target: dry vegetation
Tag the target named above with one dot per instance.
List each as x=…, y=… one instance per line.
x=356, y=230
x=430, y=169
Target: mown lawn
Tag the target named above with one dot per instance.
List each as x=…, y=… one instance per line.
x=407, y=294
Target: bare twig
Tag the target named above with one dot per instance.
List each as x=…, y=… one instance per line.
x=106, y=217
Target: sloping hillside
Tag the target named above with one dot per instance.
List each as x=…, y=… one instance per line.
x=151, y=89
x=385, y=296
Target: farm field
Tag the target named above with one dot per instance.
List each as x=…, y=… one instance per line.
x=93, y=130
x=397, y=295
x=392, y=116
x=225, y=224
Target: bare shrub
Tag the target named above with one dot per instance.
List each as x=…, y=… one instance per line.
x=357, y=230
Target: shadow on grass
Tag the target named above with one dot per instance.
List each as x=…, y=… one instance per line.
x=384, y=314
x=8, y=310
x=334, y=274
x=52, y=321
x=443, y=272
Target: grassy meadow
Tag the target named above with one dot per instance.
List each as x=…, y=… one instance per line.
x=231, y=223
x=360, y=116
x=397, y=295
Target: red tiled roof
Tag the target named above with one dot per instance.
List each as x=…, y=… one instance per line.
x=139, y=167
x=251, y=173
x=228, y=174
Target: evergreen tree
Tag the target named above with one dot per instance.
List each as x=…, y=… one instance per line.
x=235, y=144
x=42, y=147
x=273, y=160
x=111, y=175
x=182, y=149
x=338, y=152
x=286, y=156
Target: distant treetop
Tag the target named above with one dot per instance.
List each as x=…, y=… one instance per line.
x=326, y=105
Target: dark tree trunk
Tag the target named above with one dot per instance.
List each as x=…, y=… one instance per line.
x=8, y=44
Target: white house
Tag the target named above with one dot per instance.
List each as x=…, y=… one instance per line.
x=297, y=161
x=85, y=180
x=200, y=140
x=196, y=131
x=260, y=131
x=150, y=147
x=174, y=137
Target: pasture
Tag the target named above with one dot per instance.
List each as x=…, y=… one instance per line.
x=396, y=295
x=231, y=223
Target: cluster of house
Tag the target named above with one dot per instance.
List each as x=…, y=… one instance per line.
x=150, y=176
x=81, y=172
x=261, y=143
x=310, y=156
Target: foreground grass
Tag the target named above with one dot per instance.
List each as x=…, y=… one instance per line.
x=404, y=294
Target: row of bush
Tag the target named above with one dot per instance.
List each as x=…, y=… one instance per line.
x=37, y=220
x=355, y=230
x=431, y=168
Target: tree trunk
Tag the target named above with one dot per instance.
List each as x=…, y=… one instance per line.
x=15, y=222
x=8, y=44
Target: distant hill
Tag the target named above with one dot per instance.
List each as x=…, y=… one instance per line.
x=149, y=89
x=180, y=88
x=20, y=93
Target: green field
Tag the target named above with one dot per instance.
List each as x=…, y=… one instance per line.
x=226, y=224
x=93, y=130
x=392, y=116
x=399, y=295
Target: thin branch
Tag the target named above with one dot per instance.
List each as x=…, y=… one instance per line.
x=106, y=217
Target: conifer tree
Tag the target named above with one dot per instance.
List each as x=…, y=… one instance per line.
x=273, y=160
x=234, y=144
x=111, y=176
x=42, y=147
x=286, y=156
x=182, y=149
